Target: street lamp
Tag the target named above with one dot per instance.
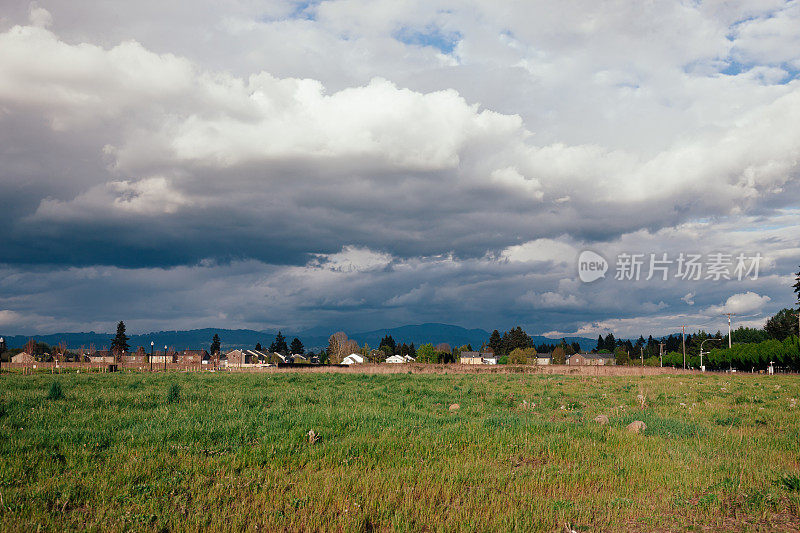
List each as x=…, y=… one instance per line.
x=701, y=351
x=165, y=358
x=2, y=349
x=151, y=355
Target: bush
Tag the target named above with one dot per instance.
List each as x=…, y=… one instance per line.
x=174, y=393
x=55, y=392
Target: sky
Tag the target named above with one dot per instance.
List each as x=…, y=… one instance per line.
x=363, y=164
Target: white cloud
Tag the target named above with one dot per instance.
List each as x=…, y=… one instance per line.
x=352, y=259
x=148, y=196
x=39, y=16
x=742, y=304
x=541, y=250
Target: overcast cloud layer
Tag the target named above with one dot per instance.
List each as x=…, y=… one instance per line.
x=362, y=164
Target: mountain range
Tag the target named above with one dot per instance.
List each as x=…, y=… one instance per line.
x=247, y=338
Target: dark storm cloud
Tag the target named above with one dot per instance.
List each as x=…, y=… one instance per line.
x=173, y=155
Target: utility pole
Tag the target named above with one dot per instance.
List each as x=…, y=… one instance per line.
x=729, y=315
x=661, y=353
x=641, y=351
x=683, y=342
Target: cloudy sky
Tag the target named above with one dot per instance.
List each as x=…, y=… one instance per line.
x=358, y=164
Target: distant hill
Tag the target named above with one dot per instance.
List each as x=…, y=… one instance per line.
x=247, y=338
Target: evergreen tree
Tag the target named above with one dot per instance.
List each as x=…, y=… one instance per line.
x=600, y=343
x=388, y=341
x=297, y=347
x=496, y=342
x=515, y=338
x=279, y=345
x=120, y=343
x=258, y=347
x=783, y=324
x=610, y=343
x=412, y=351
x=215, y=344
x=797, y=286
x=568, y=348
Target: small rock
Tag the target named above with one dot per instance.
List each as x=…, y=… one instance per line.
x=455, y=407
x=313, y=437
x=637, y=426
x=601, y=419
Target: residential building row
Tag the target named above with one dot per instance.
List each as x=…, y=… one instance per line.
x=578, y=359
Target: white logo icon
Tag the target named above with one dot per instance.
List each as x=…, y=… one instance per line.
x=591, y=266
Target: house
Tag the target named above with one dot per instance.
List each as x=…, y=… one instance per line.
x=158, y=357
x=101, y=356
x=23, y=357
x=544, y=358
x=590, y=359
x=472, y=358
x=490, y=359
x=298, y=358
x=246, y=357
x=396, y=359
x=353, y=359
x=276, y=358
x=234, y=357
x=192, y=357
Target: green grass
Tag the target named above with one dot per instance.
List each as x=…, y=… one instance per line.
x=200, y=451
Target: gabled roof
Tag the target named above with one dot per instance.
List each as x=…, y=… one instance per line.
x=477, y=354
x=593, y=355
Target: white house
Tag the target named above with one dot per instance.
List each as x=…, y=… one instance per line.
x=396, y=359
x=353, y=359
x=490, y=359
x=543, y=359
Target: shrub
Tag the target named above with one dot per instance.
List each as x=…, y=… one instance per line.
x=174, y=393
x=55, y=392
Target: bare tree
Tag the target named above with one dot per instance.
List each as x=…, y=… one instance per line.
x=350, y=346
x=443, y=347
x=337, y=345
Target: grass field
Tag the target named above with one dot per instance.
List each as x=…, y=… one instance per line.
x=216, y=451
